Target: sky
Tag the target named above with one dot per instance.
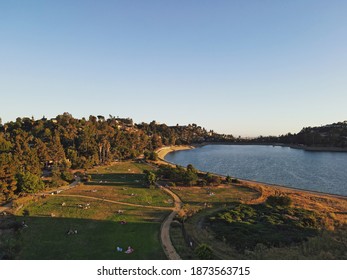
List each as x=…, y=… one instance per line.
x=239, y=67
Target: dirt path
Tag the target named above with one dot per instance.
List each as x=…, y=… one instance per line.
x=6, y=207
x=116, y=202
x=168, y=248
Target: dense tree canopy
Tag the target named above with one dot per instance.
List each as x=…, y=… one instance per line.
x=27, y=146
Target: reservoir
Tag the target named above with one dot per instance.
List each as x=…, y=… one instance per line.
x=316, y=171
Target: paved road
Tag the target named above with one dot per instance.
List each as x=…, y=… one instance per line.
x=169, y=249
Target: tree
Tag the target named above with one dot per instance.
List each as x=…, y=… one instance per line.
x=191, y=168
x=153, y=156
x=146, y=154
x=56, y=176
x=150, y=178
x=29, y=183
x=5, y=146
x=228, y=179
x=190, y=178
x=8, y=182
x=42, y=151
x=56, y=150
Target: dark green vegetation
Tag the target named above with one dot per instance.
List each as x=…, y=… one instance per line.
x=181, y=245
x=189, y=176
x=332, y=135
x=261, y=232
x=204, y=252
x=245, y=226
x=28, y=147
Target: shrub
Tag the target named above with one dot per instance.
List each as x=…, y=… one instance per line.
x=204, y=252
x=282, y=201
x=153, y=156
x=67, y=176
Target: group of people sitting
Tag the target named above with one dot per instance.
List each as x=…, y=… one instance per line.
x=71, y=231
x=128, y=251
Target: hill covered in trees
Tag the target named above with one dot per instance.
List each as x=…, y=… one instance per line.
x=29, y=146
x=331, y=135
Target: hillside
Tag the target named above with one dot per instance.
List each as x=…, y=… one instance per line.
x=28, y=147
x=331, y=135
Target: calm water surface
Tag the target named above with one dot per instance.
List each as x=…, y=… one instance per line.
x=317, y=171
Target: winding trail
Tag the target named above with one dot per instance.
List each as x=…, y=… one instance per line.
x=168, y=248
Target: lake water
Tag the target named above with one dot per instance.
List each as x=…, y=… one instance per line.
x=317, y=171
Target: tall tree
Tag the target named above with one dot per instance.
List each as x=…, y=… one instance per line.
x=8, y=183
x=56, y=150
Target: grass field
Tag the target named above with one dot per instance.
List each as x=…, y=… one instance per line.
x=94, y=209
x=99, y=230
x=99, y=224
x=124, y=182
x=196, y=197
x=121, y=167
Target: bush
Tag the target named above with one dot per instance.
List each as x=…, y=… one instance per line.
x=86, y=178
x=281, y=201
x=204, y=252
x=67, y=176
x=153, y=156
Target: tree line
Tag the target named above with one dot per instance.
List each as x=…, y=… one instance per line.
x=28, y=147
x=331, y=135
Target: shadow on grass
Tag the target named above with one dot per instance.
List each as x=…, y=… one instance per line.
x=48, y=239
x=117, y=180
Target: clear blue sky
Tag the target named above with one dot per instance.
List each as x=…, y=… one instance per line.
x=243, y=67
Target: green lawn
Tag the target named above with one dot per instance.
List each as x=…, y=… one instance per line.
x=122, y=182
x=122, y=167
x=99, y=230
x=196, y=197
x=98, y=223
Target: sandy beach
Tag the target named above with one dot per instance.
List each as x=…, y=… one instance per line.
x=162, y=152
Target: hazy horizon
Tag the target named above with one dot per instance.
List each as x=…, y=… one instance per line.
x=245, y=68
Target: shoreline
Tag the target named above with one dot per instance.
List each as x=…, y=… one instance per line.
x=162, y=152
x=292, y=146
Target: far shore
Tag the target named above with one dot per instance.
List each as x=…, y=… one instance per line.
x=292, y=146
x=264, y=187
